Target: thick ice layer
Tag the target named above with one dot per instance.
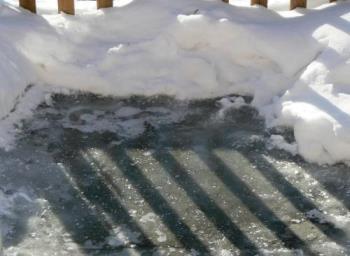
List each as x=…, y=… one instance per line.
x=296, y=68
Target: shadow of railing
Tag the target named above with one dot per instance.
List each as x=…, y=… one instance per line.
x=93, y=193
x=327, y=176
x=157, y=202
x=96, y=204
x=203, y=201
x=330, y=186
x=98, y=194
x=294, y=196
x=76, y=215
x=252, y=202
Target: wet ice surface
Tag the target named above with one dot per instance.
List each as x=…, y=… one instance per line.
x=155, y=176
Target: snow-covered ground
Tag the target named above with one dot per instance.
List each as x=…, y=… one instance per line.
x=295, y=64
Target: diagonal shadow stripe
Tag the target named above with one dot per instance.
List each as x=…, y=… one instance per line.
x=70, y=215
x=257, y=207
x=323, y=178
x=98, y=194
x=334, y=189
x=203, y=201
x=157, y=202
x=300, y=202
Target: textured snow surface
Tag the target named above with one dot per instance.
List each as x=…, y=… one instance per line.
x=296, y=65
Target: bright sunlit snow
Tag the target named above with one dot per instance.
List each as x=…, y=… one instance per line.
x=296, y=64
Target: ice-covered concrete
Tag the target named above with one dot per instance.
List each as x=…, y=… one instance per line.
x=165, y=177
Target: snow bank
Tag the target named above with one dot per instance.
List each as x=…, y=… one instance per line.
x=295, y=67
x=16, y=71
x=318, y=104
x=190, y=49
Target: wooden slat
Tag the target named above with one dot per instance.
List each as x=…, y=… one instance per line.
x=104, y=4
x=297, y=3
x=66, y=6
x=259, y=2
x=28, y=4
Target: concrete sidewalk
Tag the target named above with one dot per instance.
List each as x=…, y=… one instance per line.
x=155, y=176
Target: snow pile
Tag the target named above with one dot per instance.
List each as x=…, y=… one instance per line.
x=190, y=49
x=317, y=105
x=296, y=68
x=15, y=70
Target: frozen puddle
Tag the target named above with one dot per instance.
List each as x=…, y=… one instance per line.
x=154, y=176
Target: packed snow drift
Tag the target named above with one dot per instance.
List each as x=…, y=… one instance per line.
x=296, y=65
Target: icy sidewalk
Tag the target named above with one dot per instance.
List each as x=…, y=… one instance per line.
x=155, y=176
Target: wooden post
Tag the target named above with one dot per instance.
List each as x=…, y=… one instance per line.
x=28, y=4
x=226, y=1
x=104, y=4
x=66, y=6
x=297, y=3
x=259, y=2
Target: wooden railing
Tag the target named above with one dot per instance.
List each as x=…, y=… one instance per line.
x=293, y=3
x=67, y=6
